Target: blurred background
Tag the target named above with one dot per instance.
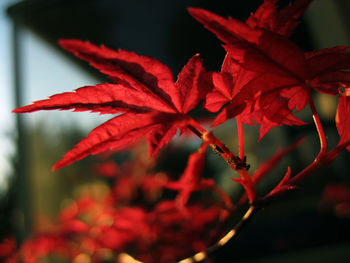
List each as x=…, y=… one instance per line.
x=33, y=67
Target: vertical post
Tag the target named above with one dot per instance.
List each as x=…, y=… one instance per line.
x=21, y=213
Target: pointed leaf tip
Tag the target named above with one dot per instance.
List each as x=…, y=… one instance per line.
x=187, y=85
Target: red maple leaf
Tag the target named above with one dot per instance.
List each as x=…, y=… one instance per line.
x=256, y=89
x=144, y=91
x=283, y=73
x=328, y=69
x=272, y=111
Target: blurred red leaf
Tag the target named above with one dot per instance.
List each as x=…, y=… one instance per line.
x=343, y=120
x=191, y=180
x=7, y=247
x=107, y=169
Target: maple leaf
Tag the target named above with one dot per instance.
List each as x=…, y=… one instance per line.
x=328, y=69
x=283, y=73
x=254, y=48
x=226, y=84
x=234, y=84
x=278, y=67
x=330, y=76
x=152, y=105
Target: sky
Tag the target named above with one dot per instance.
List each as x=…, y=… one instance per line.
x=6, y=98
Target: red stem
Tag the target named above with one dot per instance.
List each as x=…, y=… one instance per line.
x=318, y=124
x=233, y=161
x=216, y=145
x=318, y=161
x=315, y=165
